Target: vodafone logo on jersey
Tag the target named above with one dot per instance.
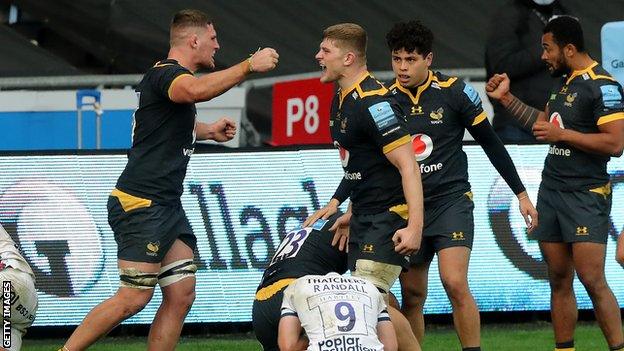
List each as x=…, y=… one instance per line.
x=555, y=118
x=344, y=154
x=422, y=146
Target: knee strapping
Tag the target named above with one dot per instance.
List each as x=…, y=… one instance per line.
x=382, y=275
x=176, y=271
x=134, y=278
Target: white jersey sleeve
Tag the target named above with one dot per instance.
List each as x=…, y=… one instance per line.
x=10, y=255
x=288, y=307
x=383, y=309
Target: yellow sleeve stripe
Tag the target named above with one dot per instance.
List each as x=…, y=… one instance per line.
x=595, y=76
x=480, y=118
x=158, y=65
x=173, y=82
x=610, y=118
x=399, y=142
x=381, y=91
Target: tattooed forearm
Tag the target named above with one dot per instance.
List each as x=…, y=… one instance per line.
x=526, y=114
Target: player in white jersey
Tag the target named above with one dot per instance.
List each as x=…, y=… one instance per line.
x=338, y=313
x=18, y=291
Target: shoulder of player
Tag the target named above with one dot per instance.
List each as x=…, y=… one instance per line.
x=594, y=76
x=370, y=88
x=164, y=66
x=445, y=82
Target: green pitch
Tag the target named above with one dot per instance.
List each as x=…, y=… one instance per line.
x=513, y=337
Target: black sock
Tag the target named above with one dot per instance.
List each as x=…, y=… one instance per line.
x=478, y=348
x=619, y=347
x=565, y=345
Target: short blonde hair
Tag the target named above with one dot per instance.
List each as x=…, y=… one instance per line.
x=186, y=19
x=348, y=36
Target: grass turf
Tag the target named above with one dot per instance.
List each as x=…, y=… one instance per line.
x=507, y=337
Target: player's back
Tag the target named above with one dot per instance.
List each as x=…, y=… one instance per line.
x=338, y=313
x=305, y=251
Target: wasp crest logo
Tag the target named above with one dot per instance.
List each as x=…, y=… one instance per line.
x=564, y=90
x=416, y=110
x=570, y=99
x=437, y=114
x=582, y=230
x=152, y=248
x=456, y=236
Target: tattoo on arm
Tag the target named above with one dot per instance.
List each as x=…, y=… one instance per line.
x=526, y=114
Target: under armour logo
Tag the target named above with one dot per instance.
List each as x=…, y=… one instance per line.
x=457, y=236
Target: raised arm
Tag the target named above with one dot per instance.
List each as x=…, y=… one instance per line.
x=497, y=88
x=190, y=89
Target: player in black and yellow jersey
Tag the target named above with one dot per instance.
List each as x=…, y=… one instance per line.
x=155, y=241
x=439, y=109
x=303, y=251
x=380, y=173
x=584, y=123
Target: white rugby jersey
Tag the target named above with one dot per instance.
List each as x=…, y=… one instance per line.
x=10, y=254
x=338, y=313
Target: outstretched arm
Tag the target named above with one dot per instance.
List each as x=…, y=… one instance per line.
x=190, y=89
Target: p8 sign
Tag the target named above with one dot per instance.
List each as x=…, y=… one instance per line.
x=301, y=112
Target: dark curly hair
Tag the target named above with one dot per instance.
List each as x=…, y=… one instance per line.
x=410, y=36
x=566, y=30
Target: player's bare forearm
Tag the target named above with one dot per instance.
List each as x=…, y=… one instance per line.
x=190, y=89
x=403, y=158
x=203, y=131
x=524, y=113
x=597, y=143
x=289, y=332
x=412, y=189
x=214, y=84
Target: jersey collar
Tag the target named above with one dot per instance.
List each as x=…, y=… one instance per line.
x=345, y=92
x=166, y=62
x=419, y=90
x=581, y=72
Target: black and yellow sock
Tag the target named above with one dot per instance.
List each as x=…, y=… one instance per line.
x=619, y=347
x=565, y=346
x=478, y=348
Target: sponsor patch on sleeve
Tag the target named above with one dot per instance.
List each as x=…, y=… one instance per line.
x=383, y=115
x=611, y=96
x=319, y=224
x=472, y=94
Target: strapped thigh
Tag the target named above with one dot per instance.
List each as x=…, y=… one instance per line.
x=176, y=271
x=136, y=279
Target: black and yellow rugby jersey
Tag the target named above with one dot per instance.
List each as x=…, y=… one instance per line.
x=163, y=138
x=437, y=113
x=581, y=101
x=306, y=251
x=366, y=123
